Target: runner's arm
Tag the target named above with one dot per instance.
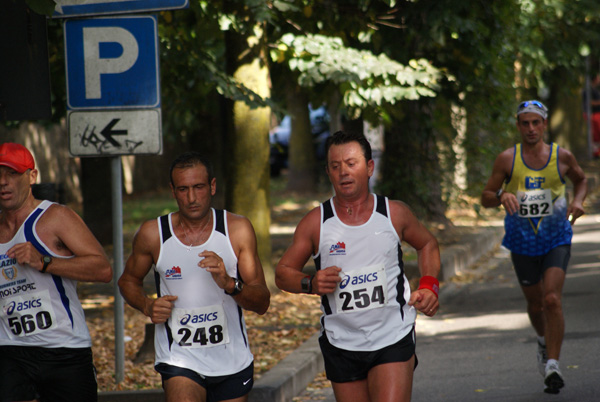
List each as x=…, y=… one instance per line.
x=65, y=233
x=288, y=273
x=146, y=243
x=500, y=172
x=416, y=235
x=255, y=295
x=577, y=177
x=495, y=182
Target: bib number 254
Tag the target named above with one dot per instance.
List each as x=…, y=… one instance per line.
x=360, y=298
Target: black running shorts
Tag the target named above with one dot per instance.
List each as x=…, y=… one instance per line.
x=47, y=374
x=346, y=365
x=217, y=388
x=530, y=269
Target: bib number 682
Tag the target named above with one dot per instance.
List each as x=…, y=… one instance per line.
x=526, y=210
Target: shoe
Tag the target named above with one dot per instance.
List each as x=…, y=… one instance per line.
x=542, y=358
x=553, y=379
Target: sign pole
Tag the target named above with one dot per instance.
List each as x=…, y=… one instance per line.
x=117, y=221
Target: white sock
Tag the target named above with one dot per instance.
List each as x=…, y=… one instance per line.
x=541, y=340
x=550, y=361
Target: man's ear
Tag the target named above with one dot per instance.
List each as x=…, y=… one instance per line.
x=370, y=167
x=213, y=186
x=33, y=174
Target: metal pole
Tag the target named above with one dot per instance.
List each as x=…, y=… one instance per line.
x=117, y=221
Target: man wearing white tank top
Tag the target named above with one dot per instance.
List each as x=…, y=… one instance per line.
x=367, y=328
x=45, y=248
x=206, y=270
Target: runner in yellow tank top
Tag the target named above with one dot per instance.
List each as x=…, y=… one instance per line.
x=540, y=223
x=534, y=171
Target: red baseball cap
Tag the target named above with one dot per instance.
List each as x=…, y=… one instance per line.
x=16, y=157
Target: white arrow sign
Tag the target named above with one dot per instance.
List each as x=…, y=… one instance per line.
x=115, y=132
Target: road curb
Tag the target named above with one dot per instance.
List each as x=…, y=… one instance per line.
x=292, y=374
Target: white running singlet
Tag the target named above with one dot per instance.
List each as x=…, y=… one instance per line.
x=368, y=311
x=206, y=332
x=38, y=309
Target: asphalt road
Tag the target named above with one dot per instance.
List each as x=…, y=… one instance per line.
x=481, y=347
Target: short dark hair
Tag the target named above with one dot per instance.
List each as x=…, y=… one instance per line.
x=343, y=137
x=190, y=159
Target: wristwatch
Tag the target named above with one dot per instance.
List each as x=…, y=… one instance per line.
x=306, y=284
x=499, y=193
x=237, y=287
x=46, y=260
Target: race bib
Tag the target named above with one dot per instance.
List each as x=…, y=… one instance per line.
x=28, y=314
x=201, y=327
x=535, y=203
x=361, y=289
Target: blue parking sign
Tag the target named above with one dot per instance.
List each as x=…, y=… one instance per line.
x=112, y=63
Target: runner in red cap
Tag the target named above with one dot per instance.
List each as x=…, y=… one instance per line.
x=16, y=156
x=45, y=248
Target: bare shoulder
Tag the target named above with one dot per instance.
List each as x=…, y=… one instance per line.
x=148, y=228
x=60, y=220
x=312, y=215
x=59, y=212
x=566, y=156
x=238, y=223
x=306, y=239
x=506, y=157
x=147, y=236
x=569, y=166
x=241, y=232
x=310, y=223
x=400, y=208
x=402, y=215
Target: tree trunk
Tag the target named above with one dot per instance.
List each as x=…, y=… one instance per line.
x=411, y=165
x=96, y=189
x=247, y=159
x=566, y=125
x=301, y=153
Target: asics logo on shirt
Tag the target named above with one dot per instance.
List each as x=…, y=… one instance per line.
x=358, y=279
x=196, y=318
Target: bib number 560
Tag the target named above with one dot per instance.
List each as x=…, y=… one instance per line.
x=27, y=323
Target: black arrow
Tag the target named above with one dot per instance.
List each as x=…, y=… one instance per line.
x=108, y=132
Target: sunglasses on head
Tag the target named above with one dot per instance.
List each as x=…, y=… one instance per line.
x=534, y=103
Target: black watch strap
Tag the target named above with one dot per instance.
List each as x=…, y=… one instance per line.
x=46, y=260
x=306, y=284
x=237, y=288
